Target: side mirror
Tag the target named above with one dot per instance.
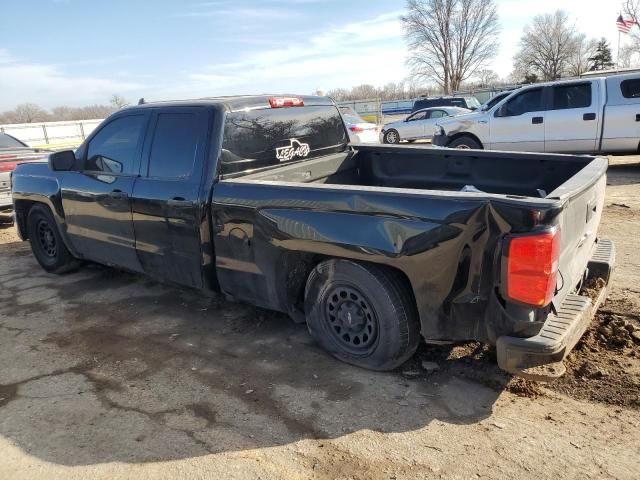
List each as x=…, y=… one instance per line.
x=63, y=161
x=500, y=112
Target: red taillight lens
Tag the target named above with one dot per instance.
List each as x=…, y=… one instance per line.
x=356, y=129
x=7, y=166
x=279, y=102
x=532, y=265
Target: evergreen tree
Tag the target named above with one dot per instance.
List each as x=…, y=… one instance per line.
x=602, y=60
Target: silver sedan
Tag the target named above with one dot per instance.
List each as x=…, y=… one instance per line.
x=418, y=125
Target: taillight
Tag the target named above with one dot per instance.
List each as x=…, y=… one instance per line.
x=279, y=102
x=7, y=166
x=532, y=265
x=356, y=129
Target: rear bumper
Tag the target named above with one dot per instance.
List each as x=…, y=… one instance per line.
x=540, y=357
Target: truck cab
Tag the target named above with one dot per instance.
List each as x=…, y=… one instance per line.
x=574, y=116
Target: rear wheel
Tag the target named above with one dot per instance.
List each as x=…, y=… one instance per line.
x=362, y=314
x=46, y=243
x=391, y=136
x=465, y=143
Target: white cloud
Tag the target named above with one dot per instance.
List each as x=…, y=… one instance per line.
x=49, y=85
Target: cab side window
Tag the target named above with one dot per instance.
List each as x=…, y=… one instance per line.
x=529, y=101
x=438, y=114
x=114, y=149
x=174, y=146
x=417, y=116
x=572, y=96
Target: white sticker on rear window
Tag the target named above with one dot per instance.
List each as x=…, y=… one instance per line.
x=293, y=150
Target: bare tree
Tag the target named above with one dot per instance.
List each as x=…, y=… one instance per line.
x=450, y=39
x=581, y=55
x=118, y=101
x=551, y=47
x=629, y=55
x=29, y=113
x=486, y=77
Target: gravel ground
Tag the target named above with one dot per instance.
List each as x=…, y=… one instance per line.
x=105, y=374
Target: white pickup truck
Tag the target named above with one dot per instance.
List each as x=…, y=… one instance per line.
x=580, y=116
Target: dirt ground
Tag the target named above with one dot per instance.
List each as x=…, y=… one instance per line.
x=105, y=374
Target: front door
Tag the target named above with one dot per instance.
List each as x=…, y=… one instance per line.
x=519, y=124
x=414, y=126
x=96, y=199
x=166, y=207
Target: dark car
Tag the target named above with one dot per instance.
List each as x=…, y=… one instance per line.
x=373, y=246
x=470, y=103
x=12, y=152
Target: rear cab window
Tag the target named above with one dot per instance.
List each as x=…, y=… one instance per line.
x=267, y=137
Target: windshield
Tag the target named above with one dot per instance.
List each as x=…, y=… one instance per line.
x=262, y=138
x=472, y=102
x=7, y=141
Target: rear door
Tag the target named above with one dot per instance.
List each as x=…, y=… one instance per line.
x=571, y=123
x=519, y=123
x=97, y=198
x=432, y=119
x=165, y=203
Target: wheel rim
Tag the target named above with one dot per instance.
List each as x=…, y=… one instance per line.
x=392, y=137
x=351, y=320
x=463, y=147
x=47, y=239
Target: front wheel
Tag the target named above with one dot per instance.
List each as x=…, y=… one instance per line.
x=465, y=143
x=46, y=243
x=362, y=314
x=391, y=136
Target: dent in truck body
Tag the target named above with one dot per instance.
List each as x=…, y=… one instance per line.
x=449, y=257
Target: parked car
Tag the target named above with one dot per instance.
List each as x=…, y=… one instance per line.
x=12, y=152
x=470, y=103
x=264, y=199
x=360, y=131
x=578, y=116
x=418, y=125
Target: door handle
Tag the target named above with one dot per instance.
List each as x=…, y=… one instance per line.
x=537, y=120
x=588, y=116
x=118, y=194
x=179, y=202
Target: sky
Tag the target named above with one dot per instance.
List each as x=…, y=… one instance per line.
x=80, y=52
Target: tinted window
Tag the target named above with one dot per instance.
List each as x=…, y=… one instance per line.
x=494, y=101
x=260, y=138
x=529, y=101
x=438, y=114
x=115, y=146
x=417, y=116
x=571, y=96
x=630, y=88
x=7, y=141
x=174, y=145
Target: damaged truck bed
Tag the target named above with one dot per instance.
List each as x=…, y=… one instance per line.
x=372, y=246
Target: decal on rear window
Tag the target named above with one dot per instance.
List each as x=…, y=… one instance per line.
x=293, y=150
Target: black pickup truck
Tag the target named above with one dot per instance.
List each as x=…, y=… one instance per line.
x=263, y=199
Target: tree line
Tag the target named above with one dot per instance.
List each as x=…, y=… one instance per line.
x=452, y=42
x=31, y=113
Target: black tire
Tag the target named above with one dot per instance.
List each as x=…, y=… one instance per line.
x=391, y=136
x=47, y=244
x=465, y=143
x=362, y=314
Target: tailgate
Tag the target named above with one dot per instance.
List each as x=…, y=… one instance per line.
x=584, y=195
